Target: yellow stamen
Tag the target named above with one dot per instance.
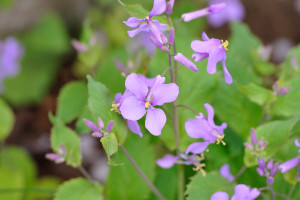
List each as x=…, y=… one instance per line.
x=199, y=168
x=147, y=104
x=147, y=17
x=225, y=44
x=220, y=139
x=115, y=108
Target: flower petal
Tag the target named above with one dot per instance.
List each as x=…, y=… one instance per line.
x=137, y=86
x=205, y=37
x=134, y=127
x=205, y=46
x=297, y=143
x=288, y=165
x=225, y=172
x=132, y=108
x=199, y=56
x=167, y=161
x=197, y=147
x=155, y=120
x=91, y=125
x=159, y=6
x=185, y=61
x=141, y=28
x=240, y=192
x=219, y=196
x=214, y=57
x=165, y=93
x=254, y=193
x=133, y=22
x=195, y=14
x=199, y=128
x=110, y=125
x=228, y=78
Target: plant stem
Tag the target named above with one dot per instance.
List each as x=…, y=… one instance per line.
x=86, y=174
x=187, y=107
x=272, y=192
x=240, y=172
x=282, y=195
x=141, y=173
x=292, y=190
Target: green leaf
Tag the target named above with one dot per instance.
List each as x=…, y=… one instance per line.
x=257, y=94
x=100, y=103
x=276, y=133
x=110, y=145
x=62, y=135
x=71, y=101
x=7, y=120
x=79, y=189
x=234, y=108
x=123, y=181
x=204, y=187
x=10, y=180
x=136, y=10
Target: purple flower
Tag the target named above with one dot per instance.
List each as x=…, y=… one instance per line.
x=169, y=7
x=225, y=172
x=212, y=9
x=204, y=128
x=98, y=131
x=241, y=192
x=267, y=170
x=290, y=164
x=279, y=90
x=256, y=146
x=152, y=26
x=169, y=160
x=10, y=55
x=215, y=50
x=186, y=62
x=234, y=11
x=144, y=98
x=57, y=157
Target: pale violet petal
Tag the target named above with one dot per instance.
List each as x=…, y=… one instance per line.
x=167, y=161
x=132, y=108
x=134, y=127
x=155, y=120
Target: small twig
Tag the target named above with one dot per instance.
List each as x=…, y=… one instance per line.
x=178, y=68
x=141, y=173
x=292, y=190
x=120, y=2
x=167, y=69
x=282, y=195
x=240, y=172
x=187, y=107
x=272, y=192
x=86, y=174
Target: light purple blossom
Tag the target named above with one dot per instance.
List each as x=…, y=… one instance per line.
x=204, y=128
x=279, y=90
x=212, y=9
x=185, y=61
x=169, y=7
x=234, y=11
x=169, y=160
x=290, y=164
x=59, y=156
x=152, y=27
x=98, y=131
x=144, y=98
x=10, y=55
x=225, y=172
x=256, y=146
x=241, y=192
x=267, y=170
x=214, y=50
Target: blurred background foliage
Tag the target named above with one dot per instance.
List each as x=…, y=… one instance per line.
x=52, y=80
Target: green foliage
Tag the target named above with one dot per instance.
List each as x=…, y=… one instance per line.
x=110, y=145
x=257, y=94
x=7, y=120
x=205, y=186
x=123, y=181
x=71, y=101
x=43, y=46
x=62, y=135
x=44, y=188
x=9, y=181
x=100, y=103
x=79, y=189
x=276, y=133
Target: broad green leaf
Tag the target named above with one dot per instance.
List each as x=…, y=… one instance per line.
x=123, y=181
x=234, y=108
x=71, y=101
x=44, y=188
x=19, y=161
x=288, y=104
x=100, y=103
x=10, y=184
x=137, y=11
x=257, y=94
x=6, y=120
x=110, y=145
x=43, y=45
x=62, y=135
x=276, y=133
x=205, y=186
x=79, y=189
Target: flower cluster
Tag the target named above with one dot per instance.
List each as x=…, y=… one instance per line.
x=99, y=131
x=257, y=146
x=241, y=192
x=267, y=170
x=58, y=157
x=10, y=55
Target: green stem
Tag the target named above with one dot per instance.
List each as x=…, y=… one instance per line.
x=141, y=173
x=272, y=192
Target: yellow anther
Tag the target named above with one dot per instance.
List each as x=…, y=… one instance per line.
x=115, y=108
x=201, y=157
x=147, y=104
x=220, y=139
x=225, y=44
x=147, y=17
x=199, y=168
